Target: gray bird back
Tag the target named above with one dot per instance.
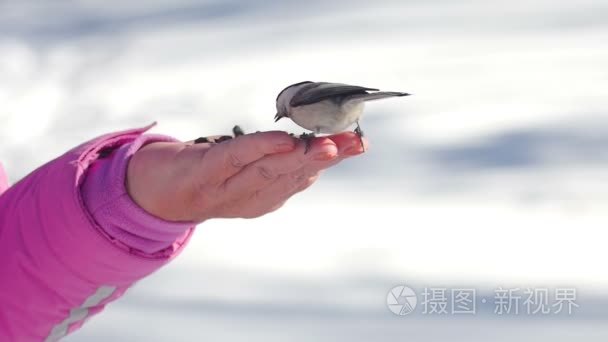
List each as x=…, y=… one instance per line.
x=319, y=91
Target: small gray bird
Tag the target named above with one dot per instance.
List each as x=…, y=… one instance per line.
x=325, y=107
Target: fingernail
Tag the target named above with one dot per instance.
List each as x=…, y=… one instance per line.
x=324, y=156
x=353, y=150
x=284, y=147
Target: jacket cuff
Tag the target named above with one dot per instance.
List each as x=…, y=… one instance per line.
x=106, y=198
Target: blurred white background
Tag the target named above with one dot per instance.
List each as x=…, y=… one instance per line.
x=493, y=174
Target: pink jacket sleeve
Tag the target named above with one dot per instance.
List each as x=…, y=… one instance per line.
x=58, y=266
x=105, y=196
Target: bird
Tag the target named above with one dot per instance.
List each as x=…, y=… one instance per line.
x=326, y=107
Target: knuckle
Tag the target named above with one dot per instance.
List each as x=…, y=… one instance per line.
x=305, y=177
x=235, y=161
x=265, y=172
x=276, y=206
x=307, y=182
x=298, y=176
x=302, y=159
x=290, y=187
x=311, y=180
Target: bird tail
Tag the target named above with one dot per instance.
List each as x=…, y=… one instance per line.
x=377, y=95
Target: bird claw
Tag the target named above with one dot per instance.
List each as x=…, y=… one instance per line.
x=359, y=133
x=307, y=138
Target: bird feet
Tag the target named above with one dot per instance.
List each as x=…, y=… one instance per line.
x=359, y=133
x=307, y=138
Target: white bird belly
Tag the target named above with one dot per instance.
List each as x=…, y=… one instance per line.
x=326, y=116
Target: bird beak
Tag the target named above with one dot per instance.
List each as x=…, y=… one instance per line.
x=278, y=117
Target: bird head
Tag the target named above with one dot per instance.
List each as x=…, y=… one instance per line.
x=284, y=98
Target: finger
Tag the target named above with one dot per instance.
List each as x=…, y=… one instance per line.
x=286, y=186
x=229, y=157
x=272, y=199
x=349, y=143
x=305, y=182
x=265, y=171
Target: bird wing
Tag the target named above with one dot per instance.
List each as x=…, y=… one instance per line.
x=318, y=91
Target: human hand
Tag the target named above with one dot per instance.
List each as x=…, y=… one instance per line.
x=246, y=177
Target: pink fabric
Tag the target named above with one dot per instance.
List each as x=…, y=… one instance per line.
x=105, y=196
x=54, y=256
x=3, y=180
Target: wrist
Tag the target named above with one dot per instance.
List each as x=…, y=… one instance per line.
x=105, y=195
x=156, y=181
